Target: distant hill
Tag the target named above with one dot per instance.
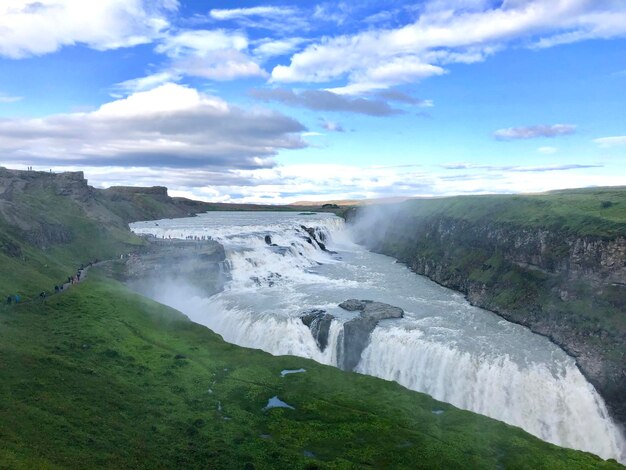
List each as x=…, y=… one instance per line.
x=352, y=202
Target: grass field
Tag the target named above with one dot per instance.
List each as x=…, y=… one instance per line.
x=587, y=211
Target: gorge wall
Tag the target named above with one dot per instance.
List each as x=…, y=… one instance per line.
x=554, y=263
x=50, y=223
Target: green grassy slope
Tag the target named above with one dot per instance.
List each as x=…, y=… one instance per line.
x=100, y=377
x=586, y=211
x=59, y=238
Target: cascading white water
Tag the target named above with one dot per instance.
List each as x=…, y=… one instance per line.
x=444, y=347
x=558, y=406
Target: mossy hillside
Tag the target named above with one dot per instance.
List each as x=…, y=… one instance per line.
x=100, y=377
x=56, y=237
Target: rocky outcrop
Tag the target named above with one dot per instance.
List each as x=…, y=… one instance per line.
x=356, y=332
x=124, y=191
x=51, y=223
x=315, y=238
x=72, y=183
x=33, y=202
x=569, y=286
x=198, y=264
x=319, y=323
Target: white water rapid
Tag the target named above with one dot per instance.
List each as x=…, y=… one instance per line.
x=443, y=346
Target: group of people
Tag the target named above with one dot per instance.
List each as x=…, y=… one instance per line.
x=13, y=299
x=196, y=238
x=71, y=280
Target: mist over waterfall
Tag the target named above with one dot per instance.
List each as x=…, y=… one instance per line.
x=280, y=265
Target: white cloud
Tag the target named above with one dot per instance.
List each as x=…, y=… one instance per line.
x=608, y=142
x=10, y=99
x=39, y=27
x=169, y=126
x=148, y=82
x=547, y=150
x=228, y=64
x=322, y=182
x=448, y=32
x=277, y=47
x=277, y=19
x=533, y=132
x=212, y=54
x=335, y=12
x=201, y=42
x=235, y=13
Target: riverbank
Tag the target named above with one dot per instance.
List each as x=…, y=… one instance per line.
x=553, y=263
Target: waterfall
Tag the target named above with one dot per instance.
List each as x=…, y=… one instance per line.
x=556, y=404
x=281, y=265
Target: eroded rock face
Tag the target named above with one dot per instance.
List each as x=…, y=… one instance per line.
x=191, y=263
x=314, y=238
x=356, y=332
x=545, y=278
x=318, y=322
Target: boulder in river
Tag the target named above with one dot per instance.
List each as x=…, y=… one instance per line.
x=371, y=310
x=356, y=332
x=314, y=237
x=318, y=322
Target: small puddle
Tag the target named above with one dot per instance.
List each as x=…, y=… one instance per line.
x=291, y=371
x=276, y=402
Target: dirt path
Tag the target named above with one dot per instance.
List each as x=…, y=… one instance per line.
x=81, y=275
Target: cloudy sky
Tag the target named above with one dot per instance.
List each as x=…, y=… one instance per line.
x=246, y=101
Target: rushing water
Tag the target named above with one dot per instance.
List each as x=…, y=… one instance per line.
x=445, y=347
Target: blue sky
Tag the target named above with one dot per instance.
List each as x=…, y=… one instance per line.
x=286, y=101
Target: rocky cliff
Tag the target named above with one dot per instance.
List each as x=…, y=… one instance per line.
x=50, y=223
x=562, y=278
x=197, y=264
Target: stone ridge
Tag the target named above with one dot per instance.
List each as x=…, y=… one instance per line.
x=153, y=190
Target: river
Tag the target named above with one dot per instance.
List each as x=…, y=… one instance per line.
x=443, y=346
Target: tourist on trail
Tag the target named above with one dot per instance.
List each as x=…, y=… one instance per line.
x=9, y=300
